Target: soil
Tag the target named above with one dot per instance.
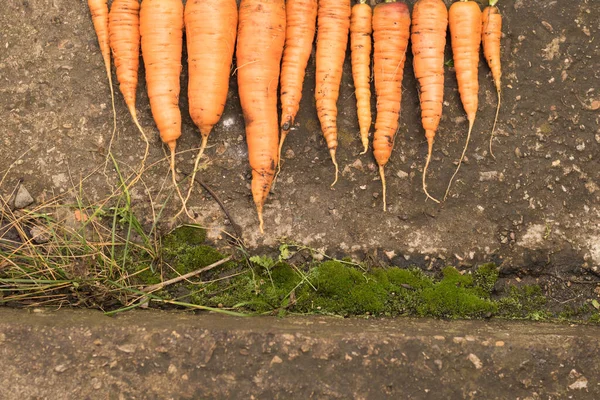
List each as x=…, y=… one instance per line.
x=534, y=209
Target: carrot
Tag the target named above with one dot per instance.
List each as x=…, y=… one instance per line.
x=99, y=11
x=261, y=37
x=491, y=35
x=391, y=30
x=211, y=29
x=332, y=39
x=124, y=39
x=465, y=31
x=360, y=43
x=428, y=37
x=161, y=29
x=301, y=16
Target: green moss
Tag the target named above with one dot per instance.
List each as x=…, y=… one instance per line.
x=185, y=235
x=524, y=302
x=595, y=318
x=146, y=275
x=455, y=296
x=193, y=258
x=485, y=278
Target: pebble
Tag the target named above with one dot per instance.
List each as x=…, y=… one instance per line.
x=22, y=198
x=491, y=176
x=39, y=235
x=289, y=154
x=475, y=360
x=276, y=360
x=401, y=174
x=60, y=368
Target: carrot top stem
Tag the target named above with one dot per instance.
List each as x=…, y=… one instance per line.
x=493, y=2
x=361, y=1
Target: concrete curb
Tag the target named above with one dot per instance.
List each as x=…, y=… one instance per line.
x=159, y=355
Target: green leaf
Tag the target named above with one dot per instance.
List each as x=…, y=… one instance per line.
x=596, y=304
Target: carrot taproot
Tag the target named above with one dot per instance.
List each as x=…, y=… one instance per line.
x=161, y=30
x=261, y=37
x=211, y=30
x=99, y=12
x=391, y=31
x=301, y=17
x=465, y=33
x=492, y=33
x=428, y=37
x=333, y=22
x=361, y=29
x=124, y=40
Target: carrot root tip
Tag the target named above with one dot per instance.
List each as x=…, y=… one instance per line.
x=337, y=168
x=429, y=151
x=471, y=122
x=384, y=186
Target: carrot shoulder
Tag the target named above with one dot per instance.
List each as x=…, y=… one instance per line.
x=360, y=43
x=333, y=21
x=391, y=30
x=261, y=37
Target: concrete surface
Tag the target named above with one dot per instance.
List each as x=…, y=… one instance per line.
x=537, y=203
x=155, y=355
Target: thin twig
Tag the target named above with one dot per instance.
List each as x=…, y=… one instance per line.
x=180, y=278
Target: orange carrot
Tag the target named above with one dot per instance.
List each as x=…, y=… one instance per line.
x=360, y=43
x=391, y=30
x=492, y=33
x=161, y=29
x=428, y=36
x=332, y=39
x=261, y=36
x=124, y=39
x=301, y=16
x=465, y=31
x=211, y=29
x=99, y=11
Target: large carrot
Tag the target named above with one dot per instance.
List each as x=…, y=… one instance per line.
x=99, y=11
x=211, y=29
x=465, y=32
x=333, y=20
x=261, y=36
x=360, y=43
x=301, y=16
x=161, y=29
x=428, y=36
x=391, y=30
x=124, y=39
x=492, y=33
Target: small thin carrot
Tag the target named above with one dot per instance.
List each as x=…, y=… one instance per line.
x=211, y=30
x=333, y=21
x=391, y=31
x=124, y=39
x=261, y=37
x=99, y=12
x=491, y=35
x=465, y=32
x=361, y=28
x=428, y=36
x=301, y=16
x=161, y=29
